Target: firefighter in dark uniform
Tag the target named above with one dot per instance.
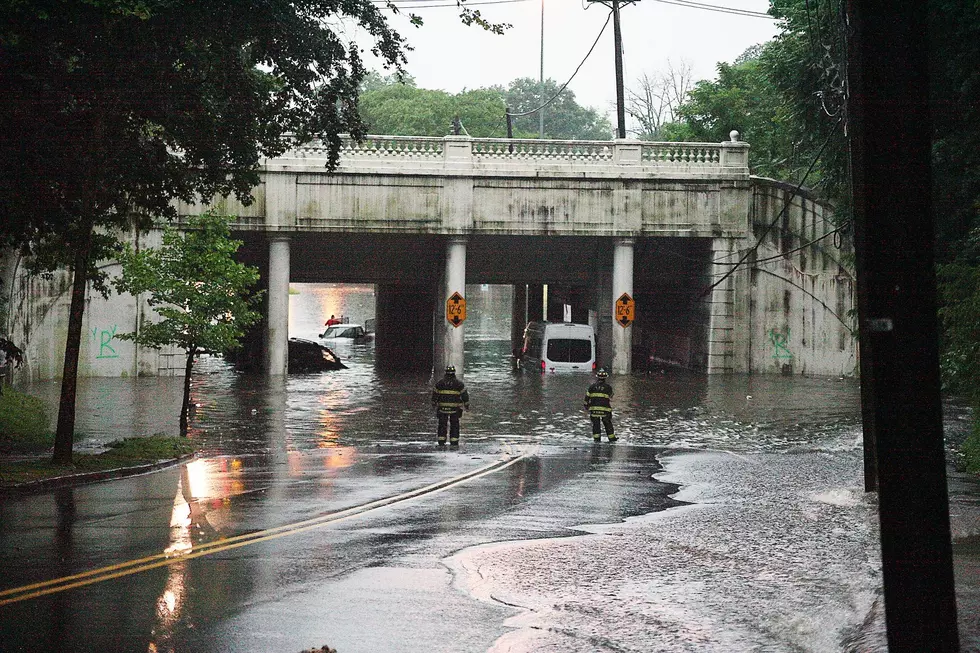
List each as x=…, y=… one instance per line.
x=449, y=398
x=597, y=401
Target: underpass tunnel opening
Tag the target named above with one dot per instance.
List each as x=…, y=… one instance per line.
x=383, y=282
x=399, y=282
x=548, y=278
x=671, y=276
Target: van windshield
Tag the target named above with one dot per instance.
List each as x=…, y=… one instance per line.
x=562, y=350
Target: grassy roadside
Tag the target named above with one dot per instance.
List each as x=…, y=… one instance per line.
x=26, y=441
x=971, y=449
x=131, y=452
x=23, y=423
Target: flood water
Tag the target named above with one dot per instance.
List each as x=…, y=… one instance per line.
x=673, y=409
x=805, y=432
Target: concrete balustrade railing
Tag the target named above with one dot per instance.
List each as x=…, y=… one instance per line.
x=462, y=152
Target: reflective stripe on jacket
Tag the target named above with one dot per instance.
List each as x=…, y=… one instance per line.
x=450, y=395
x=597, y=399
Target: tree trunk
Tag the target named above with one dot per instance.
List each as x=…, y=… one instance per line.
x=185, y=406
x=64, y=436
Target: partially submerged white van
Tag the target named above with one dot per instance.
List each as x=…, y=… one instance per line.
x=559, y=347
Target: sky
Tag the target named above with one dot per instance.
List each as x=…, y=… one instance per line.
x=450, y=56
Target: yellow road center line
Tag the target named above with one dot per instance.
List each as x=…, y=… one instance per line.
x=162, y=559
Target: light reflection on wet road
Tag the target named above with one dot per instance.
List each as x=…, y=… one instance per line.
x=777, y=551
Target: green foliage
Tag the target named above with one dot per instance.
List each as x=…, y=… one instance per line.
x=195, y=285
x=807, y=63
x=955, y=108
x=24, y=422
x=389, y=106
x=959, y=292
x=742, y=98
x=160, y=99
x=564, y=118
x=787, y=99
x=971, y=449
x=955, y=112
x=149, y=449
x=114, y=108
x=404, y=110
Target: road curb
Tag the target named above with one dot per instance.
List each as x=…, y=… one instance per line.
x=71, y=480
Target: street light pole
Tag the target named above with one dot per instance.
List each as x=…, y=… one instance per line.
x=541, y=79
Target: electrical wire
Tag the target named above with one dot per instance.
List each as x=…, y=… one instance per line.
x=717, y=8
x=411, y=3
x=565, y=85
x=778, y=217
x=808, y=293
x=680, y=3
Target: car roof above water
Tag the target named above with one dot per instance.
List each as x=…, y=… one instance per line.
x=561, y=327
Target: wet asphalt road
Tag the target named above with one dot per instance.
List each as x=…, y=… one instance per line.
x=246, y=549
x=371, y=582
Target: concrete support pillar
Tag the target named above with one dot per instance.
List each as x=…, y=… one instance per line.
x=622, y=283
x=518, y=317
x=403, y=338
x=721, y=304
x=578, y=298
x=558, y=296
x=599, y=316
x=455, y=283
x=535, y=302
x=277, y=336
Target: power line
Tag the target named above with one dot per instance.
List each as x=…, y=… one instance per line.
x=587, y=55
x=772, y=224
x=415, y=4
x=718, y=8
x=411, y=3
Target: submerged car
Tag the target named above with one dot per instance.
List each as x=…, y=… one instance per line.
x=347, y=331
x=309, y=356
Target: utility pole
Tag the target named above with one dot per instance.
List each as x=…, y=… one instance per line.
x=890, y=138
x=541, y=79
x=618, y=44
x=620, y=101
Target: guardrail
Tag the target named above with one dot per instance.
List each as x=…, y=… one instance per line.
x=496, y=152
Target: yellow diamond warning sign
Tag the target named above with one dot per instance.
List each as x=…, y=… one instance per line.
x=456, y=309
x=625, y=310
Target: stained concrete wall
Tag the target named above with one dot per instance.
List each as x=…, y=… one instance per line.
x=37, y=322
x=790, y=306
x=796, y=297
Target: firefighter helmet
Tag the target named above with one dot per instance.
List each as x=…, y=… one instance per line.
x=451, y=369
x=602, y=373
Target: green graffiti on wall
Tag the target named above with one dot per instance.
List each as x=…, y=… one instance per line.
x=104, y=338
x=780, y=346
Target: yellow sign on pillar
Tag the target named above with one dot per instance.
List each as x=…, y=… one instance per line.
x=456, y=309
x=625, y=310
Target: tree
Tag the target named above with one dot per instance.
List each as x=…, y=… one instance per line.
x=198, y=289
x=955, y=108
x=654, y=102
x=113, y=108
x=564, y=117
x=807, y=64
x=399, y=108
x=405, y=110
x=743, y=98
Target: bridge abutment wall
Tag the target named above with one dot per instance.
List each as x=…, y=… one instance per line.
x=795, y=296
x=526, y=214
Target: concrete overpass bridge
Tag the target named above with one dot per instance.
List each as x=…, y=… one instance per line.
x=590, y=221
